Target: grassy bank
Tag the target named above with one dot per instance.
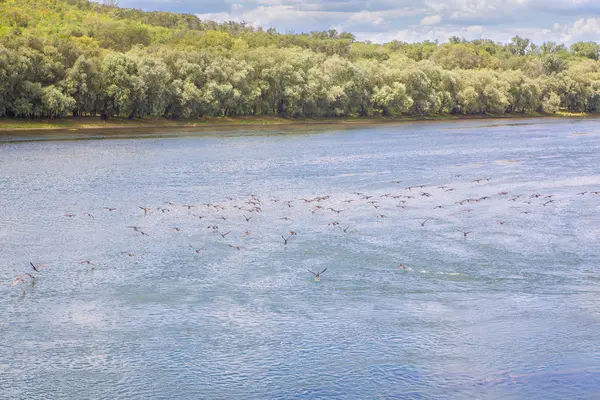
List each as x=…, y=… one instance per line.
x=82, y=123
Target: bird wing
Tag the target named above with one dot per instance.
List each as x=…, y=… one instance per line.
x=323, y=271
x=17, y=280
x=311, y=272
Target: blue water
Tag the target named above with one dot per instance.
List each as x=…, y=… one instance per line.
x=511, y=312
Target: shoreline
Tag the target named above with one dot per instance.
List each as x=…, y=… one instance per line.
x=8, y=125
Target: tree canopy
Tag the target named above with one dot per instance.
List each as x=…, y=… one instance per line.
x=75, y=57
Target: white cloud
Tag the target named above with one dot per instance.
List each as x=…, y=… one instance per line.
x=276, y=13
x=417, y=20
x=431, y=20
x=581, y=29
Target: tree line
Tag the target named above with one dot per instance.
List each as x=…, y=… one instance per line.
x=60, y=58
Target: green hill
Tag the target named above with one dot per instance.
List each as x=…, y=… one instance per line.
x=76, y=57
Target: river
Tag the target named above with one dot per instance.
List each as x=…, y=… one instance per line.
x=203, y=298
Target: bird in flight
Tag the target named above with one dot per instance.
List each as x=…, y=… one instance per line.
x=197, y=250
x=87, y=262
x=109, y=208
x=146, y=209
x=317, y=274
x=285, y=240
x=465, y=234
x=423, y=223
x=21, y=279
x=36, y=268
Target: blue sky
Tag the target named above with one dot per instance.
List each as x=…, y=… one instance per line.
x=408, y=20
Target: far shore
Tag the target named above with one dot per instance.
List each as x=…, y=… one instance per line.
x=8, y=125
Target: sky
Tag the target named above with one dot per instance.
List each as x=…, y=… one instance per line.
x=379, y=21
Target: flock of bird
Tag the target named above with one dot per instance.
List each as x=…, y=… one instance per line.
x=214, y=217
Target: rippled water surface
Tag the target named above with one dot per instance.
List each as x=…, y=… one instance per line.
x=511, y=311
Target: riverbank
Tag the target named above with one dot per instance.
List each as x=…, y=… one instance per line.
x=92, y=123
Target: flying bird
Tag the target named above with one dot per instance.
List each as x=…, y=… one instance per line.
x=21, y=279
x=285, y=240
x=317, y=274
x=36, y=268
x=197, y=250
x=146, y=209
x=465, y=234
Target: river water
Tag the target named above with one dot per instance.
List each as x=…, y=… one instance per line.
x=512, y=311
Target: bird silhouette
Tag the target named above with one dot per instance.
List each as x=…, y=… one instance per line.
x=197, y=250
x=146, y=209
x=465, y=234
x=36, y=268
x=317, y=274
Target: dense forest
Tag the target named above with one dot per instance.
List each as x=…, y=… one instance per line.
x=74, y=57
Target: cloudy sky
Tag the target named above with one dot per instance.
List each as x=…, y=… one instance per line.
x=408, y=20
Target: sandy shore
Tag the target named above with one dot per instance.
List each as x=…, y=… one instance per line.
x=94, y=123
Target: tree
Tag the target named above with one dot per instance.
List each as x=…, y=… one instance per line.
x=81, y=84
x=551, y=103
x=121, y=86
x=55, y=103
x=519, y=46
x=554, y=64
x=392, y=100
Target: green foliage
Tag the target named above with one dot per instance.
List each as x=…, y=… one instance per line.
x=586, y=49
x=75, y=57
x=554, y=64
